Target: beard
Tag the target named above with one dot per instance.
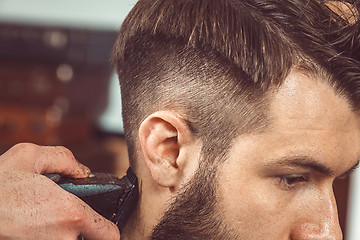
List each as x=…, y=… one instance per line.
x=192, y=214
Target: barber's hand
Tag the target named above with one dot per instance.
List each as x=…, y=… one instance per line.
x=34, y=207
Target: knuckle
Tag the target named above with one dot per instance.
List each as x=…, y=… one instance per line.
x=24, y=148
x=19, y=152
x=17, y=156
x=64, y=152
x=78, y=216
x=73, y=213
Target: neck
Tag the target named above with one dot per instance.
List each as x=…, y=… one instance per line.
x=153, y=201
x=144, y=218
x=135, y=226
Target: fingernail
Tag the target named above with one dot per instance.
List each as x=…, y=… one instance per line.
x=85, y=169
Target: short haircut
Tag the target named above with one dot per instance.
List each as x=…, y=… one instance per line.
x=214, y=61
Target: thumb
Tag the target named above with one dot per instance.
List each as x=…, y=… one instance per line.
x=43, y=159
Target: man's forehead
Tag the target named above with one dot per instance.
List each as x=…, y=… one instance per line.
x=308, y=102
x=310, y=120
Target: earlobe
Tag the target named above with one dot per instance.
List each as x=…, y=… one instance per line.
x=162, y=136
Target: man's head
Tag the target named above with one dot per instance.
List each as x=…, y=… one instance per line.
x=224, y=96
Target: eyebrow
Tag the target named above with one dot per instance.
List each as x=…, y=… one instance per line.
x=309, y=163
x=350, y=171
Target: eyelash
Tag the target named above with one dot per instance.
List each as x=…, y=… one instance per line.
x=291, y=182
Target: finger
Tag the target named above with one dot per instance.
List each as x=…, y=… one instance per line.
x=44, y=159
x=97, y=227
x=58, y=159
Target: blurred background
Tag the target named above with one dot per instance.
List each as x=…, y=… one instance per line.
x=57, y=86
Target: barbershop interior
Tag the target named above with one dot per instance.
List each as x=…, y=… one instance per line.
x=58, y=87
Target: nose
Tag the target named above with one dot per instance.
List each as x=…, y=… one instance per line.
x=319, y=220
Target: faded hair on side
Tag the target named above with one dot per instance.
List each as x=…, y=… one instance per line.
x=215, y=61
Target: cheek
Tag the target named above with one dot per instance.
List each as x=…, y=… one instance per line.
x=250, y=209
x=247, y=204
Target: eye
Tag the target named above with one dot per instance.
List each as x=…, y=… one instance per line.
x=291, y=182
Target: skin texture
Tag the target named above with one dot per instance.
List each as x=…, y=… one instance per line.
x=273, y=185
x=281, y=198
x=34, y=207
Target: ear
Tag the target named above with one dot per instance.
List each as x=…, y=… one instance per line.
x=166, y=141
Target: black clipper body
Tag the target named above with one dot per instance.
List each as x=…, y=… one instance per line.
x=111, y=197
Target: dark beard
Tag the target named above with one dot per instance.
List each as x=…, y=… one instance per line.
x=192, y=214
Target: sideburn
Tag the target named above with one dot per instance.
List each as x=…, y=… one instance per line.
x=192, y=214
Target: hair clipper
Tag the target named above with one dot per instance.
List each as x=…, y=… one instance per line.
x=111, y=197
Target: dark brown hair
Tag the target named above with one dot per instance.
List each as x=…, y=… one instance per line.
x=214, y=61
